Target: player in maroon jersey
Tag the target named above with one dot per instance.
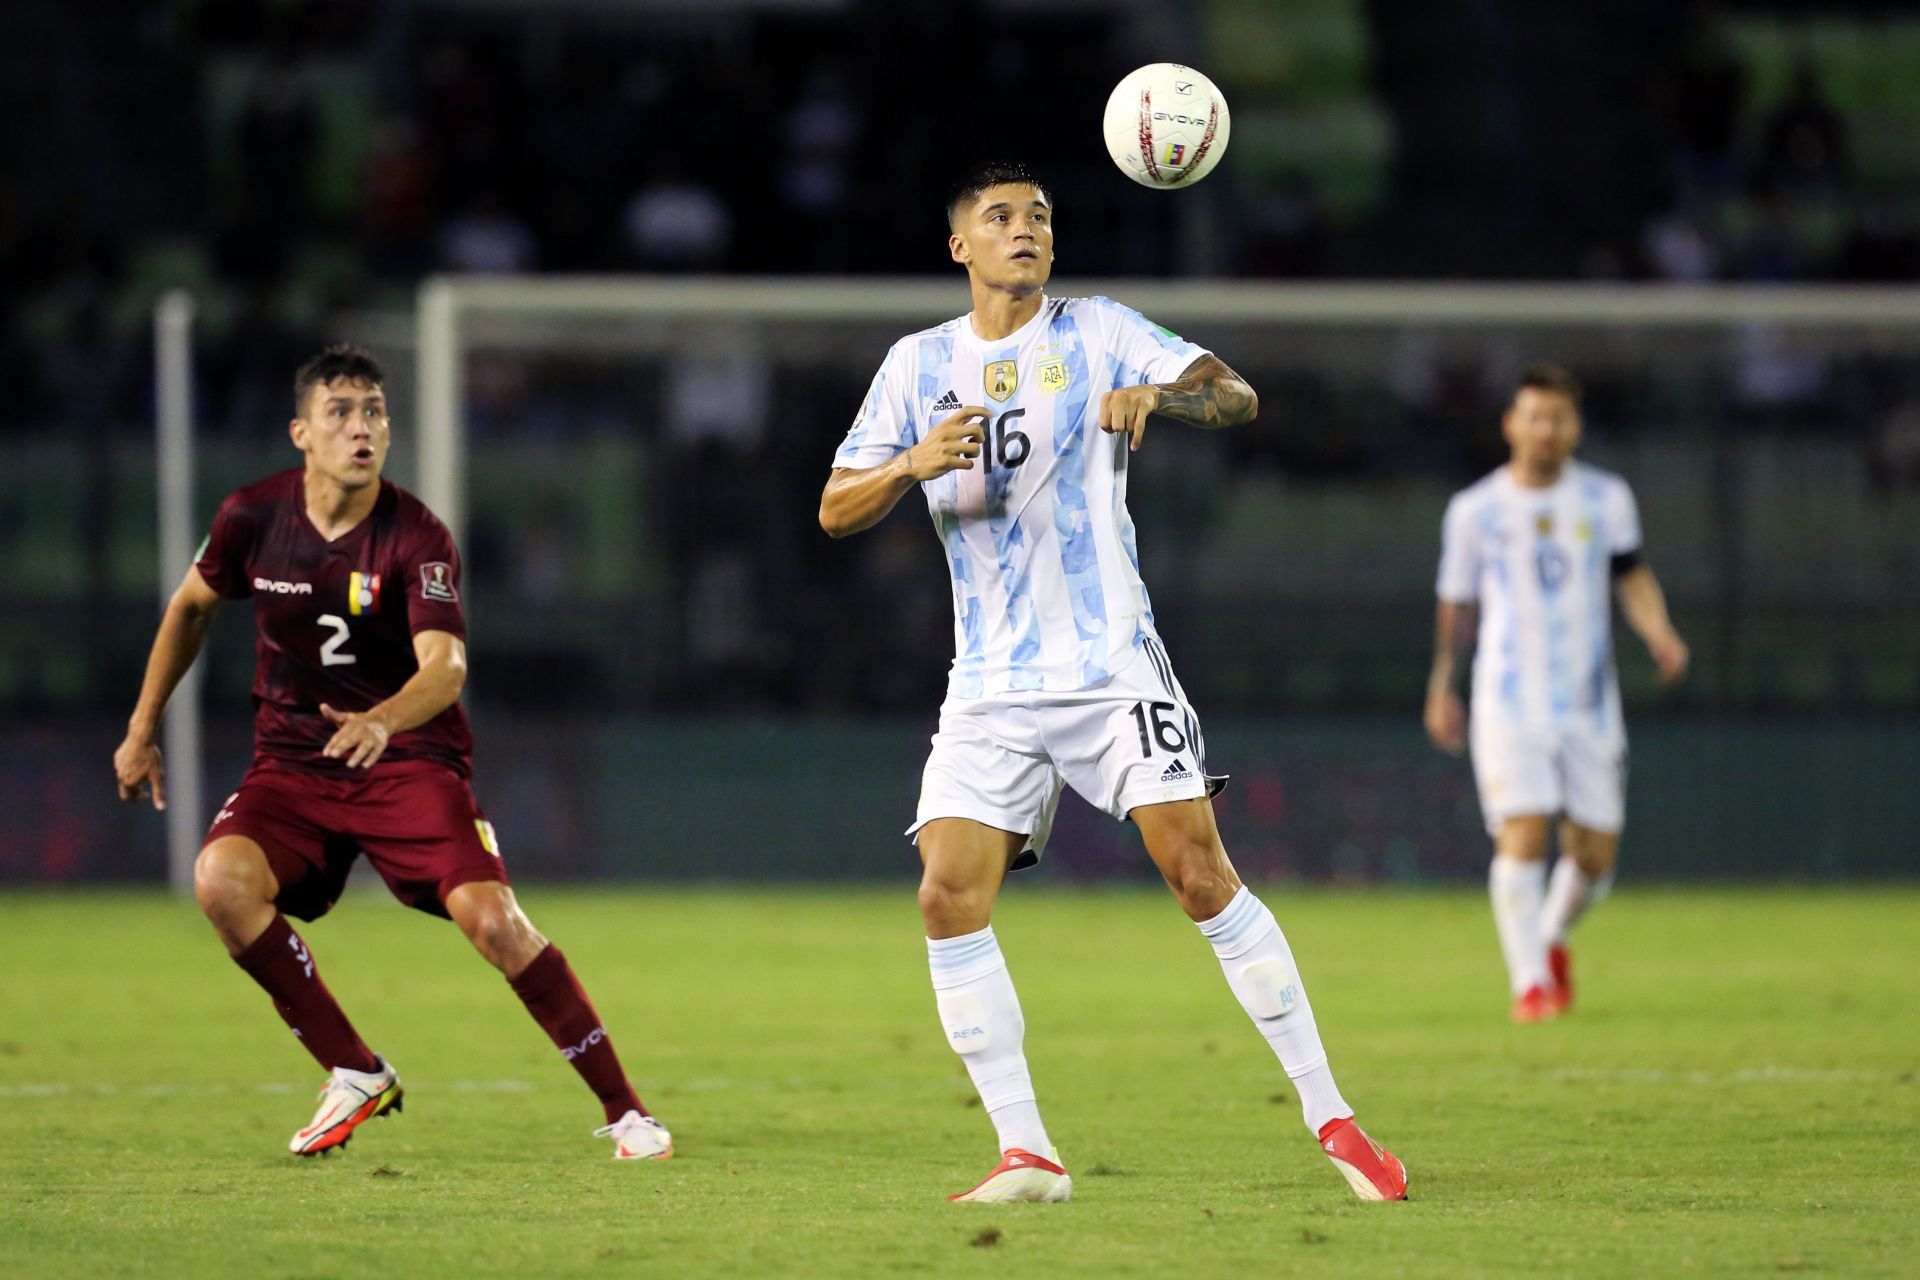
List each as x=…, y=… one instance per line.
x=360, y=747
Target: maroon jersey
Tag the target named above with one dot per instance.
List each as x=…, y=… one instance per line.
x=336, y=619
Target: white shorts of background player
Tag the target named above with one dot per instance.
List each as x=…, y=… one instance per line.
x=1525, y=769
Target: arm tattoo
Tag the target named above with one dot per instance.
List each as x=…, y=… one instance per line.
x=1208, y=394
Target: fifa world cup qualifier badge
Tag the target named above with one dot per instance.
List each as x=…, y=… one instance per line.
x=436, y=582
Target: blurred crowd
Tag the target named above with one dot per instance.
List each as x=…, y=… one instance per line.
x=288, y=159
x=1765, y=194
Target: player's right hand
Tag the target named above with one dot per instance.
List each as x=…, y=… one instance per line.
x=138, y=767
x=952, y=445
x=1447, y=721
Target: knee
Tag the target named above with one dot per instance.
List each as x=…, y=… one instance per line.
x=501, y=932
x=950, y=907
x=227, y=879
x=1524, y=839
x=1201, y=880
x=493, y=932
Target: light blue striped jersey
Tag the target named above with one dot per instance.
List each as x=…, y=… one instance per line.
x=1538, y=562
x=1046, y=578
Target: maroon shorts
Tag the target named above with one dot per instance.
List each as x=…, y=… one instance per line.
x=416, y=821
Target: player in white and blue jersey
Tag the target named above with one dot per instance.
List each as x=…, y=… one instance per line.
x=1018, y=422
x=1530, y=559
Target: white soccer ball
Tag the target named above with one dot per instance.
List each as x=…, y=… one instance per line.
x=1166, y=125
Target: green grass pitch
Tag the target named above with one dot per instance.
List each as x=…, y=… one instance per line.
x=1734, y=1094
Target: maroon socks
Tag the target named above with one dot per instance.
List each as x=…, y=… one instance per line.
x=279, y=961
x=554, y=997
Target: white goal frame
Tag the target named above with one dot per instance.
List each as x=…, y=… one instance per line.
x=448, y=303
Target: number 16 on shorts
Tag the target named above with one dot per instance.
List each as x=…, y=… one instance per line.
x=1154, y=716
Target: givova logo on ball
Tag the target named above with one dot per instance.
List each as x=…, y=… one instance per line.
x=1166, y=125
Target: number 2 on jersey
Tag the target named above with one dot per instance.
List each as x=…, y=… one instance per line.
x=330, y=655
x=1165, y=732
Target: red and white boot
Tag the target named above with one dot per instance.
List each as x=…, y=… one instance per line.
x=1373, y=1172
x=1022, y=1177
x=1535, y=1004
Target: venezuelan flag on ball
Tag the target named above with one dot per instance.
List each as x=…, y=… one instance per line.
x=363, y=593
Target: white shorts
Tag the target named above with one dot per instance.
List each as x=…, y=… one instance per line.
x=1522, y=770
x=1002, y=759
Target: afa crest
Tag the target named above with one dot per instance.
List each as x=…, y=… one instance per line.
x=1000, y=379
x=1053, y=376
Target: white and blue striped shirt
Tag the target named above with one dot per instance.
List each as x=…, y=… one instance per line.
x=1046, y=579
x=1539, y=564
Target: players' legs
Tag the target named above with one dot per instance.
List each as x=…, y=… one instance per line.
x=1185, y=845
x=1517, y=885
x=539, y=974
x=1582, y=876
x=236, y=887
x=965, y=863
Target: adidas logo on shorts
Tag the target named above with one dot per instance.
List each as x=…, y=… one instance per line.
x=947, y=403
x=1175, y=772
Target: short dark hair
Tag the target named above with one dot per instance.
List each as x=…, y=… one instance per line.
x=341, y=360
x=992, y=174
x=1550, y=377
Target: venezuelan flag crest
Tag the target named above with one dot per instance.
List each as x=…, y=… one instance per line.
x=363, y=593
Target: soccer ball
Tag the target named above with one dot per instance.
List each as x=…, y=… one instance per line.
x=1166, y=125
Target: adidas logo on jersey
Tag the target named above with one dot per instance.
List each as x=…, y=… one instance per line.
x=1175, y=772
x=946, y=403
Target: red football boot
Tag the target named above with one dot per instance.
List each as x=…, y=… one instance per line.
x=1022, y=1176
x=1370, y=1169
x=1560, y=965
x=1535, y=1004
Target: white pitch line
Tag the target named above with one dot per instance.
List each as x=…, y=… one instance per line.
x=1749, y=1075
x=270, y=1087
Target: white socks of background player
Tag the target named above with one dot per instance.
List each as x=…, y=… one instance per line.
x=1260, y=970
x=1571, y=893
x=1518, y=889
x=981, y=1016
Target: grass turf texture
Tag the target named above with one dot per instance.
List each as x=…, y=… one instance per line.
x=1733, y=1095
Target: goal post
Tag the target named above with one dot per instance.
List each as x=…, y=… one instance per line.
x=173, y=444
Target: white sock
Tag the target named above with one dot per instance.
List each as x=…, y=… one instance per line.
x=1260, y=970
x=1570, y=895
x=1517, y=889
x=981, y=1015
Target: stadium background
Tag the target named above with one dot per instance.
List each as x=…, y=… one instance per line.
x=677, y=675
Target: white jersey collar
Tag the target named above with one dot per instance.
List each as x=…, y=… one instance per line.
x=1015, y=338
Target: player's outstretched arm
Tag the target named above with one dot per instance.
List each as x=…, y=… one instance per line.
x=1645, y=606
x=857, y=499
x=1208, y=394
x=1446, y=715
x=137, y=764
x=362, y=736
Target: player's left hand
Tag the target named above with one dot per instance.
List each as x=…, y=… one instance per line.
x=1670, y=654
x=1126, y=410
x=360, y=739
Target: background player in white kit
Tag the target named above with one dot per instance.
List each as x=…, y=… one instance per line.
x=1059, y=676
x=1533, y=550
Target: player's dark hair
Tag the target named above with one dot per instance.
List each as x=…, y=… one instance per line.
x=341, y=360
x=1550, y=377
x=993, y=174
